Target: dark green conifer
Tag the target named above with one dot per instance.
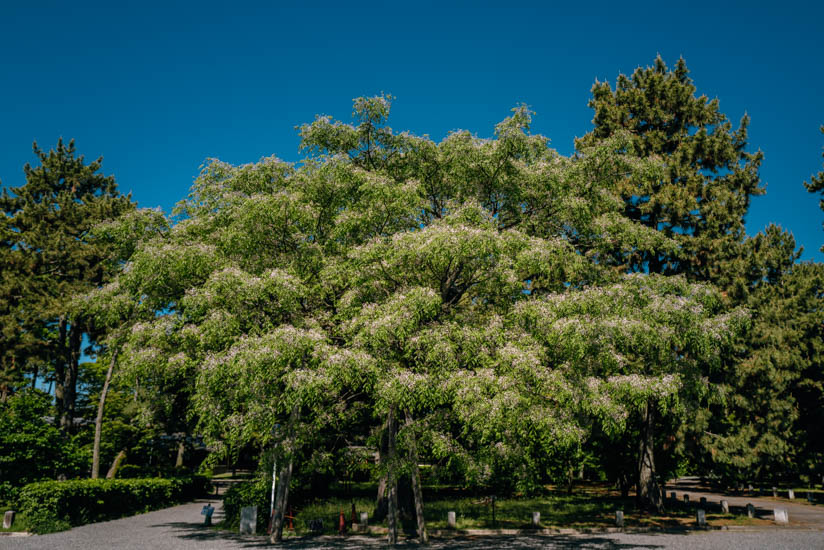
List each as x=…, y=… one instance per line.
x=700, y=201
x=709, y=178
x=816, y=184
x=47, y=234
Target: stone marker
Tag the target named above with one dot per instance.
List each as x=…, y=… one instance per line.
x=750, y=511
x=364, y=519
x=672, y=495
x=749, y=488
x=780, y=515
x=703, y=501
x=8, y=519
x=686, y=498
x=450, y=519
x=790, y=494
x=248, y=520
x=619, y=518
x=775, y=492
x=725, y=507
x=701, y=517
x=536, y=519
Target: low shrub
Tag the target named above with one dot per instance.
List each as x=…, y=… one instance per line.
x=248, y=493
x=49, y=506
x=8, y=494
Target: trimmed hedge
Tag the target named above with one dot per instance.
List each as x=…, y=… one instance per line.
x=50, y=506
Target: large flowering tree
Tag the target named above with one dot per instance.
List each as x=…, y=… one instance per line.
x=472, y=279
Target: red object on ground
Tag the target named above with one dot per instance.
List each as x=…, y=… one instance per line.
x=342, y=524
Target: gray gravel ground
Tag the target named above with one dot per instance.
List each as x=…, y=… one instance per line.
x=180, y=528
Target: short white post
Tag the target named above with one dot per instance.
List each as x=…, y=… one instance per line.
x=619, y=518
x=364, y=519
x=780, y=515
x=725, y=507
x=701, y=517
x=450, y=519
x=750, y=511
x=536, y=519
x=775, y=492
x=791, y=494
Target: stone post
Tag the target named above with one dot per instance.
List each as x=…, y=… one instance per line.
x=701, y=517
x=780, y=515
x=775, y=492
x=248, y=520
x=725, y=507
x=364, y=519
x=686, y=499
x=536, y=519
x=619, y=518
x=8, y=519
x=450, y=519
x=750, y=511
x=791, y=494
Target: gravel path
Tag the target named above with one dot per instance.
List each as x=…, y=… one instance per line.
x=181, y=528
x=801, y=514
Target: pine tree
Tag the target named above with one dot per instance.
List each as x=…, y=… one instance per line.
x=709, y=179
x=702, y=197
x=49, y=220
x=816, y=184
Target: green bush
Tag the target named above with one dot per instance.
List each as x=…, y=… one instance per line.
x=49, y=506
x=248, y=493
x=31, y=448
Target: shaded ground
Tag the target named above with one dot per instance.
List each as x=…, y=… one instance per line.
x=181, y=528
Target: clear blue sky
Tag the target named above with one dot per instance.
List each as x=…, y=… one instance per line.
x=157, y=87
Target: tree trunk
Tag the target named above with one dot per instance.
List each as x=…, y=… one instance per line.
x=98, y=424
x=382, y=501
x=416, y=483
x=116, y=464
x=285, y=477
x=624, y=484
x=34, y=376
x=66, y=366
x=60, y=367
x=649, y=493
x=181, y=449
x=392, y=479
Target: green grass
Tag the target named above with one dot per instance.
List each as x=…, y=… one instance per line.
x=588, y=507
x=18, y=526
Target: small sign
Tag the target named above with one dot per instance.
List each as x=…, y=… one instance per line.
x=248, y=520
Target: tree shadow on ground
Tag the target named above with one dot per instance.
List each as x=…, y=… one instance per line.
x=197, y=532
